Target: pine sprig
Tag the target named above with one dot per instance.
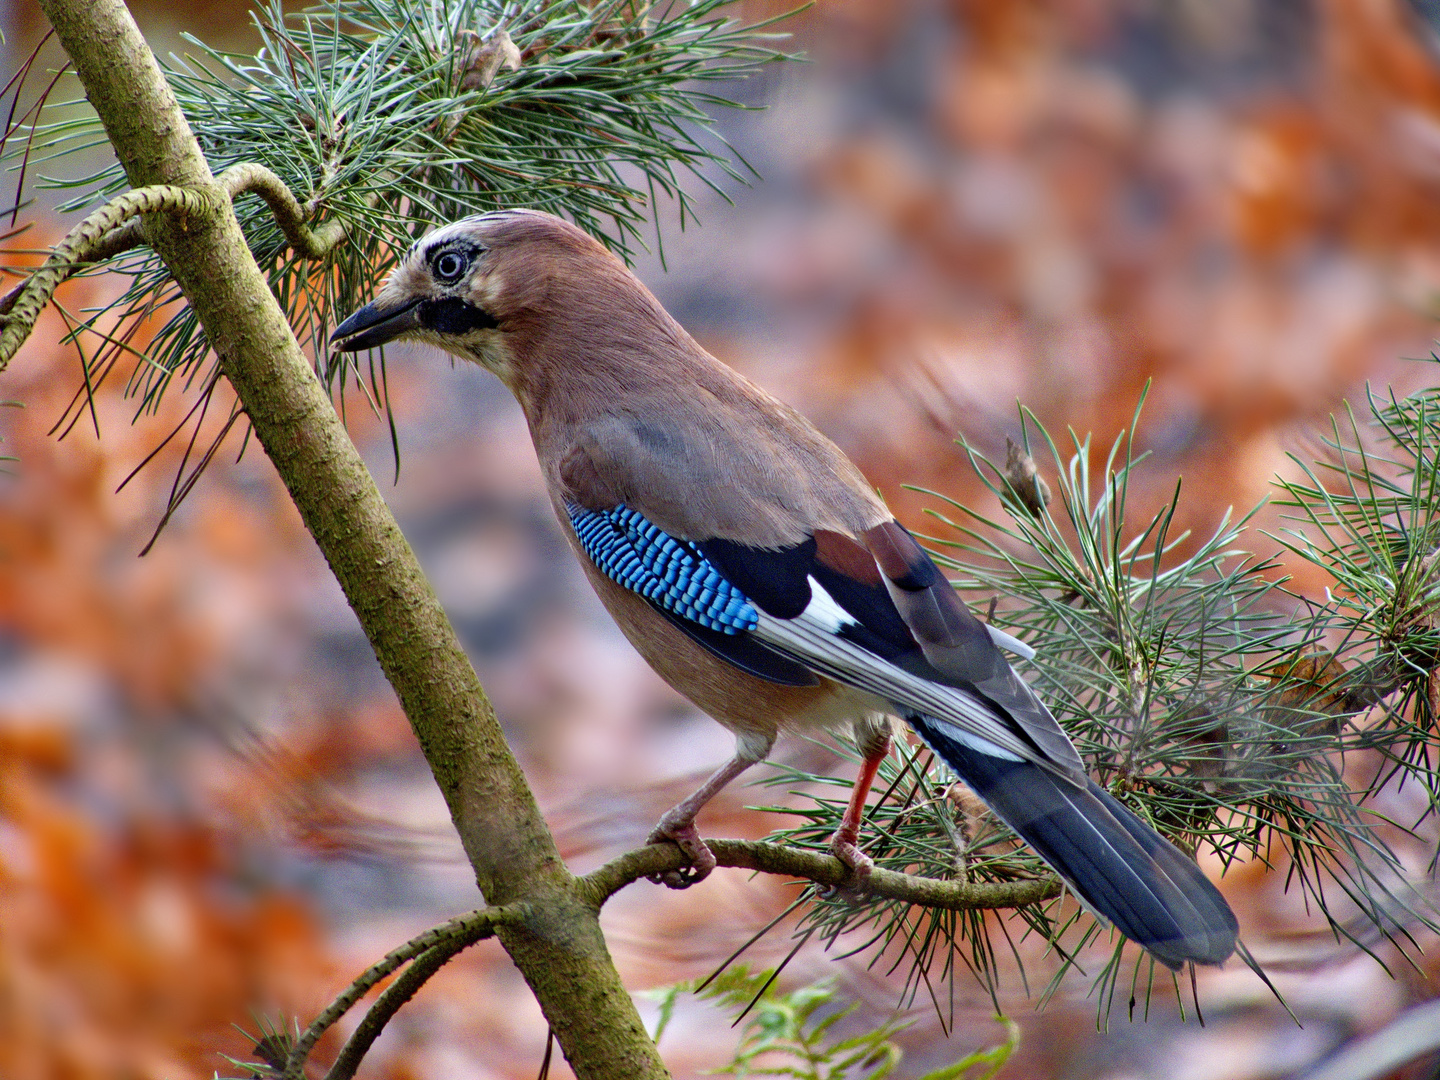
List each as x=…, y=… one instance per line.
x=1368, y=515
x=1193, y=688
x=1185, y=679
x=387, y=117
x=800, y=1033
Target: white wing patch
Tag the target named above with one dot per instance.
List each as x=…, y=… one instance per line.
x=974, y=742
x=824, y=610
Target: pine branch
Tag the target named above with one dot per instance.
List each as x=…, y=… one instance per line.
x=120, y=225
x=1192, y=687
x=386, y=118
x=825, y=871
x=435, y=946
x=102, y=235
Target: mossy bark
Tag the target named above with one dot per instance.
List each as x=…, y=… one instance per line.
x=559, y=948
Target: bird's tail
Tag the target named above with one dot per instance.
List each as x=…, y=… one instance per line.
x=1117, y=865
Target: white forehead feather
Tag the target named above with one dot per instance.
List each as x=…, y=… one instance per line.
x=469, y=227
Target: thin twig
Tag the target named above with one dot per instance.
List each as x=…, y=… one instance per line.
x=99, y=236
x=119, y=225
x=289, y=214
x=396, y=994
x=455, y=935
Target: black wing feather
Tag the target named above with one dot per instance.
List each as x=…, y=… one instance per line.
x=775, y=580
x=778, y=582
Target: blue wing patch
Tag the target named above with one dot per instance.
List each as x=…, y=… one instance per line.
x=637, y=554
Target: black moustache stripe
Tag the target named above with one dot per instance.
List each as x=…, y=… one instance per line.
x=453, y=315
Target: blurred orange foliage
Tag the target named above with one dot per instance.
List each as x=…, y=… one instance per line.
x=134, y=936
x=968, y=202
x=1237, y=201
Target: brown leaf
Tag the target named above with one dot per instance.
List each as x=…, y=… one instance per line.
x=1315, y=683
x=484, y=57
x=1025, y=479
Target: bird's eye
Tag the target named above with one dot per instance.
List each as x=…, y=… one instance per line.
x=449, y=265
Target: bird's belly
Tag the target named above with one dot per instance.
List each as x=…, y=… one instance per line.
x=744, y=703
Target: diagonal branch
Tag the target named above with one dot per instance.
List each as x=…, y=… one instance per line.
x=430, y=950
x=395, y=995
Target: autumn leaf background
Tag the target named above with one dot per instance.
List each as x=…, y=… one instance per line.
x=211, y=807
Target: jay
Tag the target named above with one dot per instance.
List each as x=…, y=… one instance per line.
x=749, y=562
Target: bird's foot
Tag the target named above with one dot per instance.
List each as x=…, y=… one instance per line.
x=687, y=838
x=844, y=848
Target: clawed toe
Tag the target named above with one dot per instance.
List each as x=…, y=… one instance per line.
x=861, y=865
x=687, y=838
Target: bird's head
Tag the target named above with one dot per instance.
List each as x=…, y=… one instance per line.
x=441, y=289
x=467, y=285
x=539, y=302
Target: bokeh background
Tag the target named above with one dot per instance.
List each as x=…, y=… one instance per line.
x=211, y=807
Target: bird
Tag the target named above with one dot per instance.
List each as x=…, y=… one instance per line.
x=752, y=565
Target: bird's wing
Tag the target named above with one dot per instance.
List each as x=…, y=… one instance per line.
x=878, y=616
x=872, y=612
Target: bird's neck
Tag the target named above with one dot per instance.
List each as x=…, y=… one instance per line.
x=566, y=373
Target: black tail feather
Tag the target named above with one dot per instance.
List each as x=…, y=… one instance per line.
x=1115, y=863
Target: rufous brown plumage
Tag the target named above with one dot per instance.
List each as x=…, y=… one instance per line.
x=751, y=564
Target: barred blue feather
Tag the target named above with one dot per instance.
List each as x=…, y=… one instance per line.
x=637, y=554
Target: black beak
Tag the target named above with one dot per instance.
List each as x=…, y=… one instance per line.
x=372, y=326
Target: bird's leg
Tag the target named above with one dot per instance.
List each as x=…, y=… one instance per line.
x=872, y=737
x=678, y=823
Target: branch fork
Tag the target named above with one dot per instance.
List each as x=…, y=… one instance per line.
x=426, y=953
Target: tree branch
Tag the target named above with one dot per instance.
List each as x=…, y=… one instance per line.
x=108, y=231
x=289, y=214
x=432, y=949
x=388, y=1004
x=601, y=884
x=559, y=948
x=119, y=225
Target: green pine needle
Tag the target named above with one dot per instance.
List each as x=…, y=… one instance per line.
x=1201, y=693
x=383, y=116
